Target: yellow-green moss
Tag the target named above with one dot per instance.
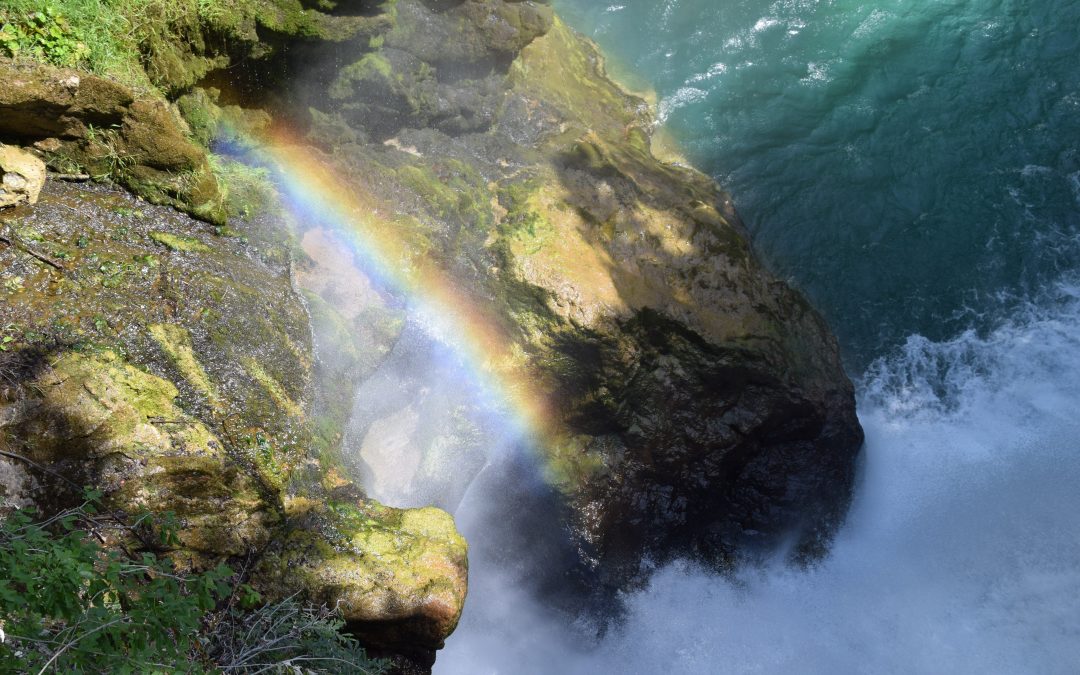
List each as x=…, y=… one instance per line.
x=93, y=387
x=178, y=242
x=246, y=190
x=273, y=388
x=176, y=342
x=375, y=564
x=570, y=464
x=122, y=424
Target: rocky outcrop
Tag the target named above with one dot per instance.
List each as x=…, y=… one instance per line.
x=21, y=176
x=696, y=405
x=84, y=123
x=398, y=577
x=102, y=422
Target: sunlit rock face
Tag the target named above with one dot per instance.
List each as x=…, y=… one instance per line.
x=695, y=404
x=698, y=403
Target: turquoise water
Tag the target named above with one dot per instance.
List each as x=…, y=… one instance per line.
x=914, y=166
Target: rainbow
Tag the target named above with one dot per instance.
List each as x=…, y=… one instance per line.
x=475, y=335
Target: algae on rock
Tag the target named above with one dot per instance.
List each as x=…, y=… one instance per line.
x=85, y=123
x=398, y=576
x=110, y=425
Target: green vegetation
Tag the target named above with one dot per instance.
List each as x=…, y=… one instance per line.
x=44, y=35
x=451, y=190
x=522, y=221
x=98, y=35
x=246, y=189
x=175, y=341
x=69, y=604
x=150, y=44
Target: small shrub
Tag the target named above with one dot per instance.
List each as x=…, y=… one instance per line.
x=69, y=604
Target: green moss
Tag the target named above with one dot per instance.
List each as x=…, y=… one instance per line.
x=178, y=242
x=375, y=564
x=247, y=190
x=372, y=67
x=570, y=465
x=176, y=342
x=149, y=396
x=273, y=388
x=102, y=409
x=452, y=190
x=272, y=464
x=523, y=228
x=202, y=114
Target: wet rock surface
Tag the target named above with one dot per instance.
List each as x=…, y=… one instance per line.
x=696, y=405
x=398, y=576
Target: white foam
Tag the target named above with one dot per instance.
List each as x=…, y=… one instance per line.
x=680, y=99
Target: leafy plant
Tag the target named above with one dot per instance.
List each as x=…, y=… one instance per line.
x=289, y=637
x=46, y=35
x=70, y=604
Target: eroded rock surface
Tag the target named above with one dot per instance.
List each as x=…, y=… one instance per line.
x=399, y=576
x=81, y=122
x=99, y=421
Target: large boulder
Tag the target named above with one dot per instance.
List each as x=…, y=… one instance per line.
x=398, y=576
x=21, y=176
x=708, y=409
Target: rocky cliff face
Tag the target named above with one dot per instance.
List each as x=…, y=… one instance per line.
x=697, y=404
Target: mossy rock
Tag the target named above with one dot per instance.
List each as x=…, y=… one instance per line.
x=624, y=286
x=85, y=123
x=104, y=422
x=399, y=577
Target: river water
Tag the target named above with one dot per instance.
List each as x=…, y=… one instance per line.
x=914, y=167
